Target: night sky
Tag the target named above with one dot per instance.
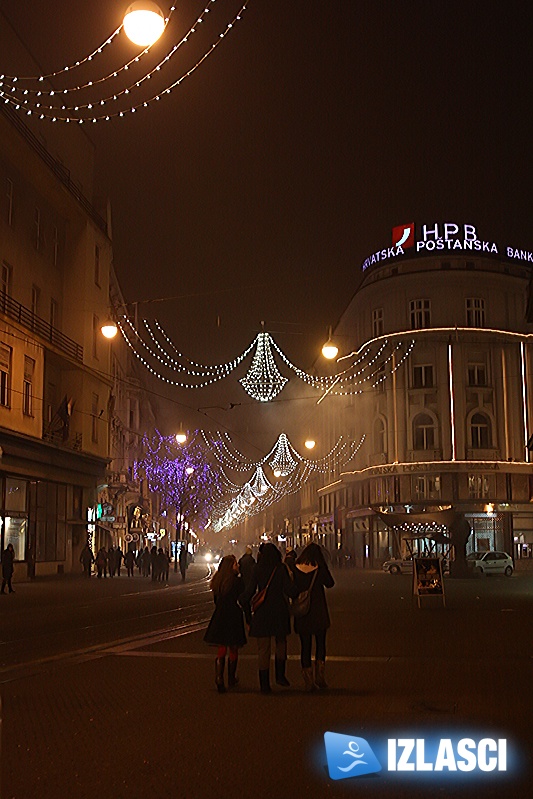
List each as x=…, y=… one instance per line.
x=256, y=189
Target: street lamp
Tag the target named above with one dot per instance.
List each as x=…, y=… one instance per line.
x=330, y=349
x=181, y=438
x=109, y=329
x=310, y=443
x=144, y=23
x=179, y=515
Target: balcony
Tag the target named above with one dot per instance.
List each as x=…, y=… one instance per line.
x=19, y=313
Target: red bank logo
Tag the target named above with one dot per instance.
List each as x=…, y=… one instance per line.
x=403, y=235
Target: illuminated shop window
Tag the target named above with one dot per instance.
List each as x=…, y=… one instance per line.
x=426, y=487
x=478, y=486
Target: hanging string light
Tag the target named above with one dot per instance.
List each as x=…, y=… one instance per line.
x=373, y=362
x=31, y=95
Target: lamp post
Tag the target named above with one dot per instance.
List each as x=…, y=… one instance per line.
x=179, y=515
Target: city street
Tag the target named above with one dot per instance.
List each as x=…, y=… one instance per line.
x=108, y=690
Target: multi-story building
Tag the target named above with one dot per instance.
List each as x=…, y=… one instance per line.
x=449, y=429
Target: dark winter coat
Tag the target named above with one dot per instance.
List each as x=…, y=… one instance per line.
x=272, y=617
x=226, y=627
x=8, y=556
x=317, y=619
x=246, y=565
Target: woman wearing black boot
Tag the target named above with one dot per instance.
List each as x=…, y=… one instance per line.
x=271, y=619
x=226, y=628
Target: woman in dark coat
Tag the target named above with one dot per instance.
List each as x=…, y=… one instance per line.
x=226, y=628
x=272, y=618
x=311, y=564
x=8, y=557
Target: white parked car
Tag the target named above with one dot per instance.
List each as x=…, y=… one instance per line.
x=397, y=566
x=490, y=562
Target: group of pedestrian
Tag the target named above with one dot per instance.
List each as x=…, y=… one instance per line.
x=259, y=596
x=154, y=562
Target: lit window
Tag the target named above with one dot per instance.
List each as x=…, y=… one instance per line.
x=420, y=313
x=426, y=487
x=478, y=486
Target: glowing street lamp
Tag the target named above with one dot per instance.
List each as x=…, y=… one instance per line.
x=330, y=349
x=181, y=437
x=144, y=23
x=310, y=443
x=109, y=329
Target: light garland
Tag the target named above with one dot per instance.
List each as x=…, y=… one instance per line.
x=263, y=381
x=33, y=100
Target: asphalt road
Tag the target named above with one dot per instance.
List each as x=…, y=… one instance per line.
x=107, y=690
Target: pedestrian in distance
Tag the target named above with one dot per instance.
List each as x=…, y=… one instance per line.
x=8, y=567
x=145, y=562
x=129, y=562
x=112, y=561
x=161, y=564
x=226, y=627
x=312, y=574
x=101, y=563
x=184, y=561
x=167, y=566
x=246, y=565
x=87, y=559
x=271, y=619
x=119, y=556
x=154, y=563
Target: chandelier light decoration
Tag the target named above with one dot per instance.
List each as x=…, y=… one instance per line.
x=258, y=493
x=114, y=92
x=192, y=478
x=369, y=366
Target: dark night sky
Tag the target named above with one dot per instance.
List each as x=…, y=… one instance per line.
x=259, y=186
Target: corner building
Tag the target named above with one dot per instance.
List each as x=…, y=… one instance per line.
x=448, y=429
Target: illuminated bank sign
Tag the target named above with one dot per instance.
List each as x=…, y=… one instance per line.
x=353, y=756
x=442, y=238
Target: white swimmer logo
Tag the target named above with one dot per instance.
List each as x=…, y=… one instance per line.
x=353, y=751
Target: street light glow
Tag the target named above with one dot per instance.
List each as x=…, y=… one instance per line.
x=109, y=329
x=144, y=23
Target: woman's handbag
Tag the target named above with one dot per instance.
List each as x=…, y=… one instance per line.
x=301, y=605
x=258, y=599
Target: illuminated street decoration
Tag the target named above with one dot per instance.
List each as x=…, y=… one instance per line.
x=369, y=365
x=131, y=86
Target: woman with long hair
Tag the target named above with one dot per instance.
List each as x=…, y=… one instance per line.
x=311, y=573
x=271, y=619
x=226, y=628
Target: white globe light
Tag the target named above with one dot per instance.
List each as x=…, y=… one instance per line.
x=310, y=443
x=330, y=350
x=181, y=438
x=144, y=23
x=109, y=330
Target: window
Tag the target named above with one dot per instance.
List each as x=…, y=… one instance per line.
x=54, y=322
x=478, y=486
x=380, y=377
x=480, y=431
x=27, y=389
x=5, y=375
x=377, y=322
x=10, y=194
x=475, y=312
x=423, y=432
x=37, y=229
x=420, y=312
x=426, y=487
x=35, y=296
x=423, y=376
x=477, y=374
x=55, y=246
x=5, y=285
x=379, y=437
x=96, y=330
x=97, y=264
x=94, y=414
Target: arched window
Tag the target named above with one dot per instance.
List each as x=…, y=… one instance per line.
x=379, y=436
x=480, y=431
x=424, y=432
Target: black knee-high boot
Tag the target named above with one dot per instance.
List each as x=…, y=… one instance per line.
x=219, y=675
x=280, y=673
x=232, y=672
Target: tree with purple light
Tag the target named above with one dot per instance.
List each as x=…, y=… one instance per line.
x=184, y=478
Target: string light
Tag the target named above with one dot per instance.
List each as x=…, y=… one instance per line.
x=263, y=381
x=55, y=105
